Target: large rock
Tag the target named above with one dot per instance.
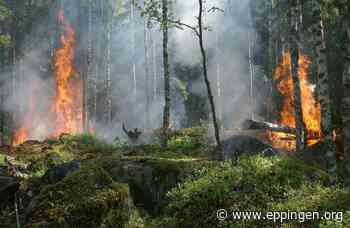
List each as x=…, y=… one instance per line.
x=86, y=198
x=150, y=178
x=59, y=172
x=245, y=145
x=8, y=187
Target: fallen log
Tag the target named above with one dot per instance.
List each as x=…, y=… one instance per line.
x=261, y=125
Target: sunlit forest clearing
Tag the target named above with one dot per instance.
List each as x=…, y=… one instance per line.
x=174, y=113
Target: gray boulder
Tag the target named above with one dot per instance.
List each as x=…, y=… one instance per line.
x=238, y=145
x=57, y=173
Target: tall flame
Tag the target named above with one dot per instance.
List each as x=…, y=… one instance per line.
x=311, y=108
x=67, y=106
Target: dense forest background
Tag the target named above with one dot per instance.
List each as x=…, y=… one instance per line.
x=157, y=113
x=131, y=77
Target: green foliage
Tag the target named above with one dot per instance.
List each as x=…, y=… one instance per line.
x=87, y=143
x=182, y=143
x=255, y=184
x=188, y=141
x=5, y=13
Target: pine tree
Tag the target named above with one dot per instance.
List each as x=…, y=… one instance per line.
x=166, y=112
x=294, y=52
x=319, y=41
x=346, y=98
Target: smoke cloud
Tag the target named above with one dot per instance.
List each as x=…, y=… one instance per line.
x=136, y=64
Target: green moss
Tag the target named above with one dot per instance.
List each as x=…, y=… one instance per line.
x=85, y=198
x=2, y=159
x=254, y=184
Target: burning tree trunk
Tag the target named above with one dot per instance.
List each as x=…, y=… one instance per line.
x=260, y=125
x=206, y=79
x=294, y=51
x=323, y=86
x=68, y=106
x=166, y=112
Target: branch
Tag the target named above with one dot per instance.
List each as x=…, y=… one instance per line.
x=214, y=8
x=178, y=24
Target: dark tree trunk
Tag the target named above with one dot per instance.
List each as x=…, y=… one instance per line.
x=294, y=52
x=166, y=112
x=324, y=98
x=260, y=125
x=207, y=82
x=147, y=74
x=346, y=100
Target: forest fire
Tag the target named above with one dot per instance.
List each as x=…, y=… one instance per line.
x=311, y=108
x=27, y=131
x=65, y=114
x=67, y=105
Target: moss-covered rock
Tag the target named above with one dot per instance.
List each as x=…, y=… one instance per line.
x=85, y=198
x=151, y=178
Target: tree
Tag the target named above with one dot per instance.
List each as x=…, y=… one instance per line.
x=107, y=57
x=294, y=52
x=166, y=112
x=318, y=35
x=157, y=11
x=345, y=18
x=206, y=79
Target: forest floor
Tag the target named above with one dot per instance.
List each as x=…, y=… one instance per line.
x=82, y=181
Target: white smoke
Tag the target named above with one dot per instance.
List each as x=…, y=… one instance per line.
x=226, y=44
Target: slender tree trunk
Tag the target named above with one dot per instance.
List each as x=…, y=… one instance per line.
x=108, y=109
x=251, y=66
x=294, y=52
x=155, y=68
x=2, y=96
x=87, y=83
x=166, y=112
x=323, y=87
x=346, y=102
x=147, y=74
x=133, y=43
x=207, y=82
x=94, y=69
x=218, y=77
x=14, y=124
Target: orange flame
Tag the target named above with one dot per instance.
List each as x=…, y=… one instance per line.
x=24, y=132
x=21, y=135
x=311, y=108
x=67, y=106
x=66, y=110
